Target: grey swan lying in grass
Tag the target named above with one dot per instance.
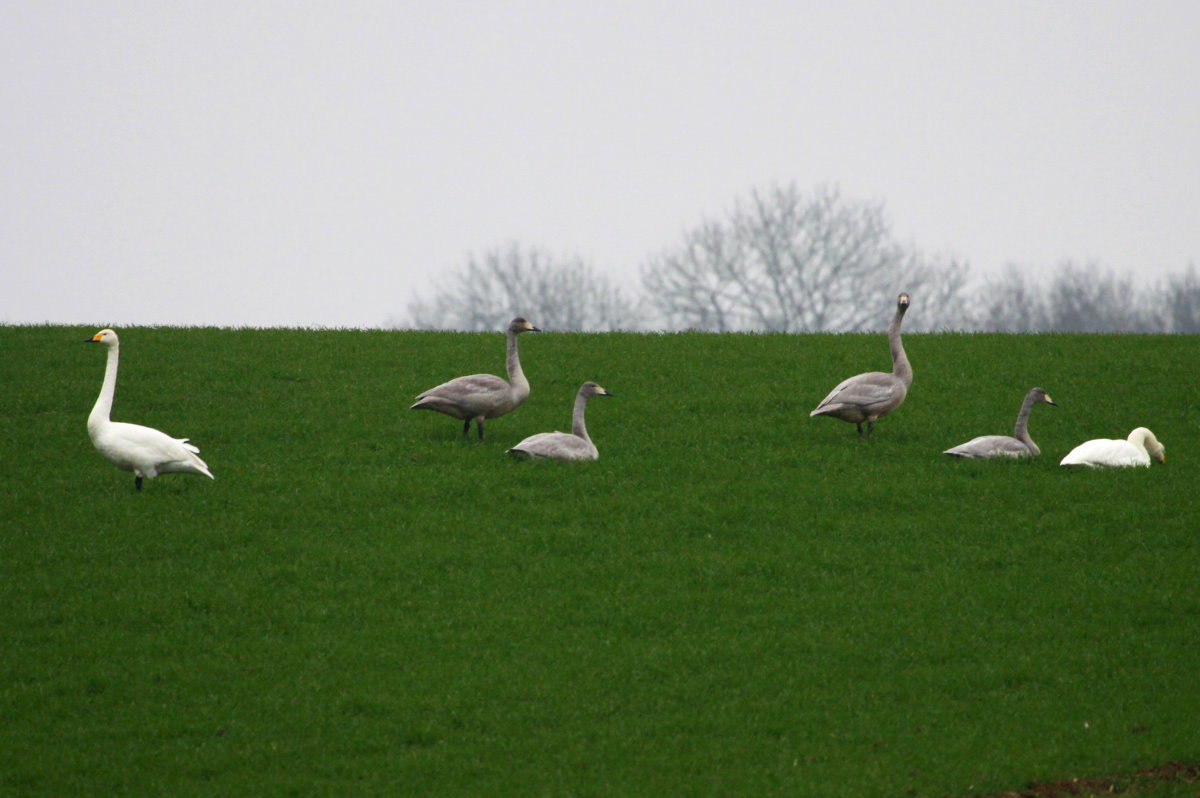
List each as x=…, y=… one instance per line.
x=145, y=451
x=870, y=396
x=576, y=445
x=481, y=396
x=1019, y=444
x=1136, y=450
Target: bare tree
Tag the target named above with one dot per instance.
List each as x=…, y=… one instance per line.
x=786, y=262
x=1011, y=302
x=557, y=293
x=1075, y=298
x=1178, y=302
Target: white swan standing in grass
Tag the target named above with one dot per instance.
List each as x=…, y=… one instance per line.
x=576, y=445
x=481, y=396
x=131, y=447
x=1019, y=444
x=870, y=396
x=1136, y=450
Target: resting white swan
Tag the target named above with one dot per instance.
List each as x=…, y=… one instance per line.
x=868, y=397
x=1136, y=450
x=481, y=396
x=131, y=447
x=560, y=445
x=1019, y=444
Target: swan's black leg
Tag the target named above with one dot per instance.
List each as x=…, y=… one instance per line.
x=479, y=423
x=466, y=427
x=860, y=432
x=870, y=428
x=138, y=482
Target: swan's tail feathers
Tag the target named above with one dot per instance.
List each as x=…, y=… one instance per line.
x=198, y=465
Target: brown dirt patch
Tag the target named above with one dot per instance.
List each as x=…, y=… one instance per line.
x=1127, y=784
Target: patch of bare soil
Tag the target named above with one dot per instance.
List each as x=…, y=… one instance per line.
x=1128, y=784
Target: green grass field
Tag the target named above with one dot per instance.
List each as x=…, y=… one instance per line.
x=736, y=599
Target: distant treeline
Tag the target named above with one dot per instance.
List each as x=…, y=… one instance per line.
x=784, y=261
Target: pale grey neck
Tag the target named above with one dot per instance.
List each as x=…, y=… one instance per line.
x=515, y=376
x=577, y=425
x=102, y=410
x=1021, y=430
x=900, y=366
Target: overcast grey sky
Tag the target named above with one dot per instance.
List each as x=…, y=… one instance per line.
x=315, y=163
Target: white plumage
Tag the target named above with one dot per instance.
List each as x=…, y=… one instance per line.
x=145, y=451
x=1137, y=450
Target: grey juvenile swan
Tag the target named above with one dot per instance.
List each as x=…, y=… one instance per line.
x=870, y=396
x=131, y=447
x=562, y=446
x=1019, y=444
x=481, y=396
x=1136, y=450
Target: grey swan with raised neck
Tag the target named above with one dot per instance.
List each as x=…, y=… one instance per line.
x=145, y=451
x=1019, y=444
x=481, y=396
x=575, y=445
x=871, y=396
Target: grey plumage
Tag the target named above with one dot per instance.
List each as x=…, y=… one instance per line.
x=480, y=396
x=576, y=445
x=1019, y=444
x=870, y=396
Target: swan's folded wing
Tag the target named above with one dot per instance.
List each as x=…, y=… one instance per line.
x=988, y=446
x=149, y=450
x=1106, y=452
x=555, y=446
x=466, y=387
x=862, y=390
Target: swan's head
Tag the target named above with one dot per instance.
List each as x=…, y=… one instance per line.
x=902, y=303
x=1040, y=395
x=106, y=337
x=592, y=389
x=1153, y=447
x=520, y=325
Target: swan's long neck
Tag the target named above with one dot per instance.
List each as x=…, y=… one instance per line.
x=577, y=425
x=1021, y=430
x=900, y=366
x=1141, y=437
x=102, y=410
x=516, y=377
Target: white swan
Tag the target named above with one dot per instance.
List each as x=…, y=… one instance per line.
x=560, y=445
x=131, y=447
x=1136, y=450
x=481, y=396
x=870, y=396
x=1019, y=444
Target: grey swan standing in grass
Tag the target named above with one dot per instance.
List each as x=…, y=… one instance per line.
x=1136, y=450
x=1019, y=444
x=870, y=396
x=481, y=396
x=576, y=445
x=131, y=447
